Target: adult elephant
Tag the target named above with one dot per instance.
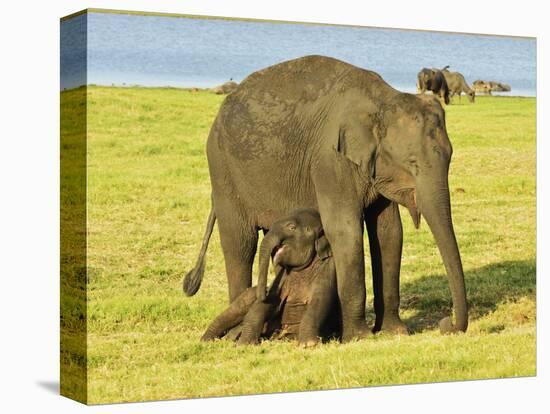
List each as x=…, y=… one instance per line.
x=318, y=132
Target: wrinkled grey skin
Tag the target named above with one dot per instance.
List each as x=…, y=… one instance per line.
x=457, y=84
x=317, y=132
x=302, y=295
x=433, y=80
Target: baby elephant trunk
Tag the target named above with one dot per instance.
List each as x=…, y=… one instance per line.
x=270, y=242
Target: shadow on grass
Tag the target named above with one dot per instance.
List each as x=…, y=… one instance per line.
x=429, y=298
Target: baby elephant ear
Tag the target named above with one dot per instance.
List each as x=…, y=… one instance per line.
x=322, y=247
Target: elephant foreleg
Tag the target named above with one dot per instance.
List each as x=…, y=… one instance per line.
x=386, y=242
x=342, y=216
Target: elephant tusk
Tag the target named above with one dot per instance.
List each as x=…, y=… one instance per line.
x=413, y=210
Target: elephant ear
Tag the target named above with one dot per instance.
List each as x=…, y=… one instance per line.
x=360, y=146
x=322, y=247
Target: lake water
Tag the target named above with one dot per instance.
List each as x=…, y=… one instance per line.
x=184, y=52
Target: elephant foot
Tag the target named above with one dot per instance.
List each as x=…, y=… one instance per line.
x=243, y=341
x=208, y=336
x=308, y=344
x=359, y=330
x=234, y=333
x=308, y=341
x=393, y=326
x=248, y=339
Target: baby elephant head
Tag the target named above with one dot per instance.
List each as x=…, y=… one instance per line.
x=293, y=242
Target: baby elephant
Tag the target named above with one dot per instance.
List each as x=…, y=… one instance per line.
x=301, y=300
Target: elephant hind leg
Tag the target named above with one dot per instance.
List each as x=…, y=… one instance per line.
x=232, y=316
x=239, y=240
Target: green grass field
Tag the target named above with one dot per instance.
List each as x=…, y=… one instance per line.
x=148, y=200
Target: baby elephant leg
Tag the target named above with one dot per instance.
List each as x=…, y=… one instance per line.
x=232, y=316
x=260, y=311
x=323, y=295
x=253, y=323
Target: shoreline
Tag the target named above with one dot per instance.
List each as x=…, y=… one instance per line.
x=207, y=89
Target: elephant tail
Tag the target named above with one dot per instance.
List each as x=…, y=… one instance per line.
x=193, y=279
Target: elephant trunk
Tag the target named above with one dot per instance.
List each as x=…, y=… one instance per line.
x=269, y=243
x=434, y=203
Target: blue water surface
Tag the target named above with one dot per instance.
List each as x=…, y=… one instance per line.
x=185, y=52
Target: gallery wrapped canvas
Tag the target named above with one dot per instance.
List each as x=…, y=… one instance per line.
x=254, y=206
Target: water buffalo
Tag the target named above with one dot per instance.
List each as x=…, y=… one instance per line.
x=457, y=84
x=433, y=80
x=487, y=87
x=226, y=88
